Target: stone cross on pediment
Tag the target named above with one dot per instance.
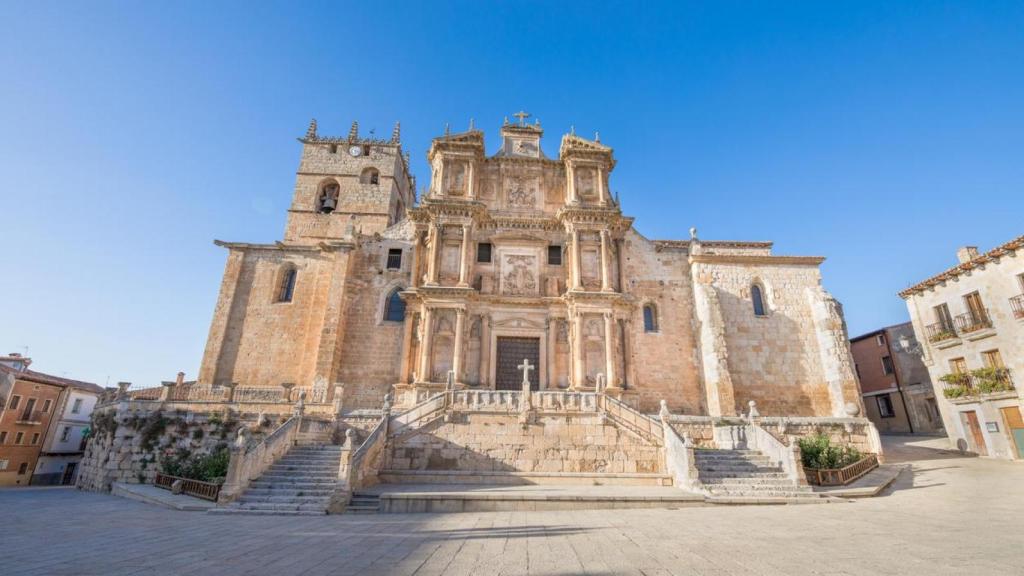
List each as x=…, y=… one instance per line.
x=522, y=116
x=526, y=367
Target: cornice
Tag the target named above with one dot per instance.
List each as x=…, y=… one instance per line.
x=1008, y=249
x=330, y=246
x=756, y=259
x=685, y=244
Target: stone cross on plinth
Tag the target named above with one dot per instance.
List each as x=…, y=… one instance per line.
x=526, y=367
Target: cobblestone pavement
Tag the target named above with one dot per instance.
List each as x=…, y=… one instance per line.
x=950, y=515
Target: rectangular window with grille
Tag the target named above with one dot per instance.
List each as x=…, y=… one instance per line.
x=483, y=252
x=77, y=406
x=887, y=367
x=395, y=259
x=555, y=255
x=885, y=406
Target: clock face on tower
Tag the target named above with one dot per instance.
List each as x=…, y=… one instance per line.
x=355, y=150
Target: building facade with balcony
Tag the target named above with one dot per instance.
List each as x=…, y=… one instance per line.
x=970, y=321
x=894, y=382
x=31, y=410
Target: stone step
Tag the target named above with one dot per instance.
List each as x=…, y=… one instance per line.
x=513, y=478
x=278, y=507
x=304, y=467
x=757, y=488
x=747, y=480
x=321, y=492
x=252, y=498
x=296, y=475
x=735, y=474
x=737, y=466
x=751, y=459
x=752, y=500
x=291, y=485
x=762, y=494
x=241, y=511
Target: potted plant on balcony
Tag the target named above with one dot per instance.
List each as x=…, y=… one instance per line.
x=957, y=384
x=991, y=380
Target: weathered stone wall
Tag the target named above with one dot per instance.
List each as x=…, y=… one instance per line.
x=773, y=359
x=487, y=442
x=664, y=361
x=130, y=446
x=702, y=430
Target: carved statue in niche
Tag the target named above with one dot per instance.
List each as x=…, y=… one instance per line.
x=586, y=185
x=592, y=330
x=519, y=276
x=522, y=193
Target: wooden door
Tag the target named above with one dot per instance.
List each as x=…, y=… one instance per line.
x=970, y=421
x=511, y=353
x=1014, y=428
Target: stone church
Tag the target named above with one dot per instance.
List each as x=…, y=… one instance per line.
x=510, y=255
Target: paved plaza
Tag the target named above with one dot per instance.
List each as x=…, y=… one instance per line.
x=947, y=515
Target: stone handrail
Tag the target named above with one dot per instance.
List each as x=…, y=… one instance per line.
x=679, y=459
x=249, y=460
x=419, y=414
x=359, y=467
x=788, y=457
x=644, y=426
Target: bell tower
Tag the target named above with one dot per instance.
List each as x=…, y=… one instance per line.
x=346, y=185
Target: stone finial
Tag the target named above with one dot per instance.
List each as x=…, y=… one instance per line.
x=180, y=379
x=572, y=130
x=311, y=131
x=471, y=126
x=597, y=136
x=388, y=399
x=851, y=410
x=300, y=404
x=241, y=438
x=353, y=132
x=396, y=133
x=506, y=121
x=752, y=412
x=663, y=410
x=693, y=232
x=447, y=129
x=350, y=439
x=122, y=389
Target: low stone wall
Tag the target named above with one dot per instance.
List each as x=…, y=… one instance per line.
x=853, y=431
x=499, y=443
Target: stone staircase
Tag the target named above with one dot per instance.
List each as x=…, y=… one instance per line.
x=748, y=476
x=300, y=483
x=363, y=503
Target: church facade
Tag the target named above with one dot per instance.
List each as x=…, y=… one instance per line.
x=509, y=256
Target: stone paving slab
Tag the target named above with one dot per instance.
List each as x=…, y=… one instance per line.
x=947, y=515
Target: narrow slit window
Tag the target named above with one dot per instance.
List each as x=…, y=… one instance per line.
x=650, y=319
x=757, y=297
x=287, y=289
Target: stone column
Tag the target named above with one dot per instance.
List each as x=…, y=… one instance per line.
x=609, y=350
x=570, y=183
x=425, y=342
x=435, y=250
x=578, y=379
x=485, y=351
x=552, y=333
x=576, y=270
x=606, y=284
x=417, y=245
x=628, y=377
x=460, y=327
x=407, y=334
x=621, y=276
x=464, y=260
x=471, y=181
x=602, y=190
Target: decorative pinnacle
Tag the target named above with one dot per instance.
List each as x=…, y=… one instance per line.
x=447, y=129
x=311, y=131
x=353, y=132
x=396, y=134
x=572, y=130
x=597, y=136
x=471, y=126
x=506, y=120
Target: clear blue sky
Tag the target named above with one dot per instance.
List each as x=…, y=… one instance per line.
x=881, y=135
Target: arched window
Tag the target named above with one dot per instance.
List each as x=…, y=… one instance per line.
x=370, y=176
x=287, y=286
x=394, y=308
x=327, y=199
x=650, y=318
x=757, y=297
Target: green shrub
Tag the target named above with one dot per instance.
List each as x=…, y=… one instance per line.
x=212, y=467
x=819, y=452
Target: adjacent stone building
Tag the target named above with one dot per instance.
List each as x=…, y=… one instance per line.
x=970, y=319
x=894, y=382
x=514, y=255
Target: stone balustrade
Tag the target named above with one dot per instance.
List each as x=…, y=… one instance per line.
x=249, y=460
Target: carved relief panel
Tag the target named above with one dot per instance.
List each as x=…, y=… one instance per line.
x=456, y=176
x=519, y=274
x=522, y=192
x=586, y=182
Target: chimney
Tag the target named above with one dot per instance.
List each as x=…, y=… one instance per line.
x=180, y=380
x=966, y=254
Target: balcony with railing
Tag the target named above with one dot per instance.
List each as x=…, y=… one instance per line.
x=940, y=331
x=31, y=417
x=976, y=383
x=1017, y=305
x=973, y=321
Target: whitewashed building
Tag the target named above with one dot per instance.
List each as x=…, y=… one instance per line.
x=970, y=319
x=66, y=437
